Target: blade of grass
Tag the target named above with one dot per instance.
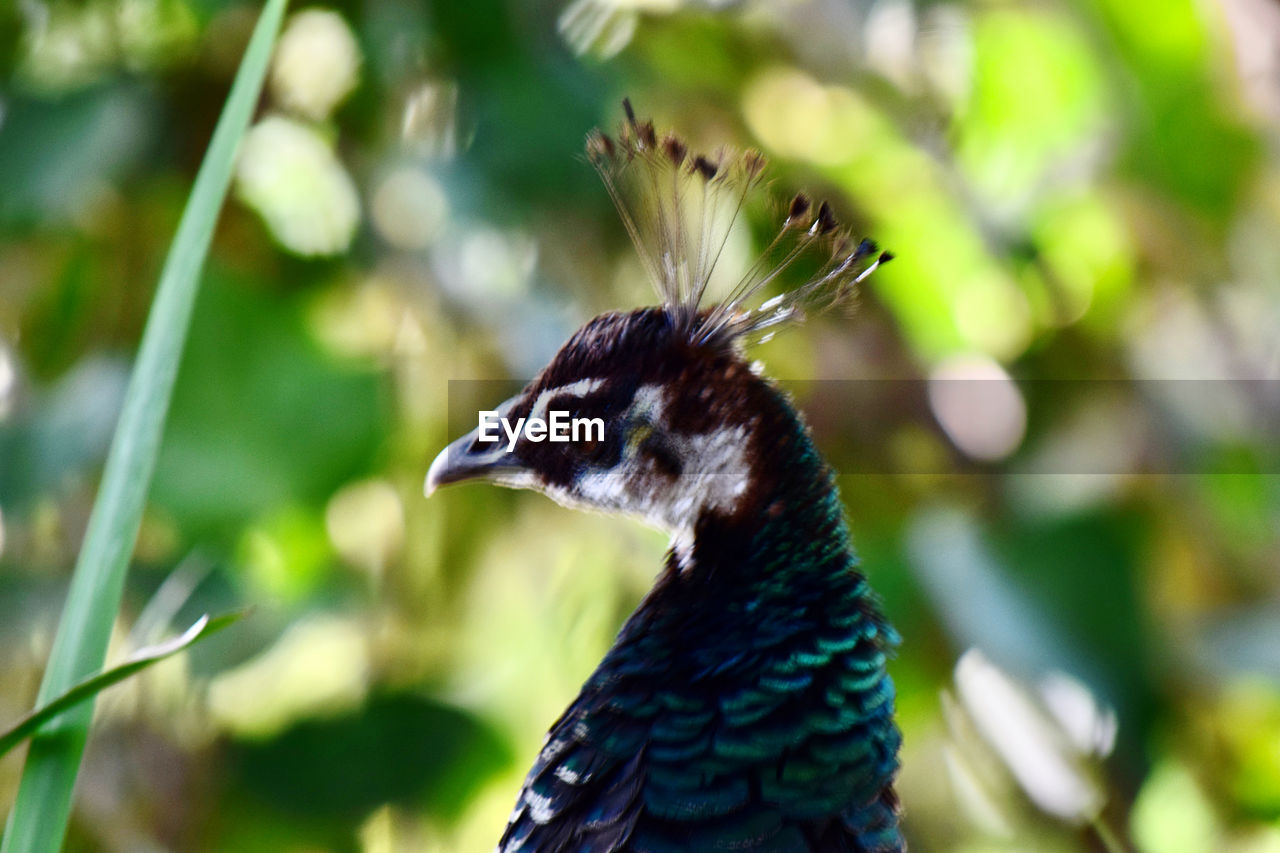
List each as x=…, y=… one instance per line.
x=205, y=626
x=38, y=821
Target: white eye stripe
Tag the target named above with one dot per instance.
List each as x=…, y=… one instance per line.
x=649, y=401
x=581, y=388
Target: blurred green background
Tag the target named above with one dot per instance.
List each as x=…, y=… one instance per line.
x=1084, y=191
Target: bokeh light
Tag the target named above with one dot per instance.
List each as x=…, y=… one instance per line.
x=409, y=208
x=288, y=172
x=316, y=64
x=978, y=406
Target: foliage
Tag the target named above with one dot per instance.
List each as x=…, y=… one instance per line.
x=1053, y=415
x=94, y=685
x=39, y=817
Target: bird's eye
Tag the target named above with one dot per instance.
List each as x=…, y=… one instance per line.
x=590, y=426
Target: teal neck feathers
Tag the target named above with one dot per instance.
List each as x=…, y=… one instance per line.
x=758, y=665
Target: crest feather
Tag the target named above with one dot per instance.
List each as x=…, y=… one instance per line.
x=679, y=208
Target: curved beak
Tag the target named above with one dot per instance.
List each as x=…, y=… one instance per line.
x=465, y=459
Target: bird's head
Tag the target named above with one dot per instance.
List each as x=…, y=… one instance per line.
x=654, y=425
x=671, y=419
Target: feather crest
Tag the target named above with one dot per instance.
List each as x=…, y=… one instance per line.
x=679, y=208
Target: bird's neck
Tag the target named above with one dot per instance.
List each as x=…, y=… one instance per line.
x=785, y=559
x=790, y=519
x=768, y=638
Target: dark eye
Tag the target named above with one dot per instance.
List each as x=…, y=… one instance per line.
x=586, y=440
x=593, y=438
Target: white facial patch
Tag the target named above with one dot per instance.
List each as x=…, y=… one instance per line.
x=581, y=388
x=714, y=475
x=649, y=401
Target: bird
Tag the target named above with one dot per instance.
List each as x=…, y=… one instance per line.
x=745, y=705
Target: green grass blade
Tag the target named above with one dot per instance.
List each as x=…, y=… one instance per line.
x=38, y=821
x=205, y=626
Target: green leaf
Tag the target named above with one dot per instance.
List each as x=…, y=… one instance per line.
x=38, y=821
x=144, y=657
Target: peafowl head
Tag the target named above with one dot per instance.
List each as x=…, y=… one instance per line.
x=665, y=417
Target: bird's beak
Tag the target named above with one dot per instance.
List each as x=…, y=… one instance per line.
x=464, y=459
